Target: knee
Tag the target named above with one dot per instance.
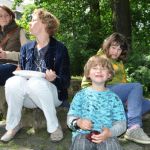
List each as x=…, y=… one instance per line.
x=14, y=83
x=36, y=83
x=138, y=85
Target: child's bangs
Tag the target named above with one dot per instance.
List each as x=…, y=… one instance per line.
x=99, y=62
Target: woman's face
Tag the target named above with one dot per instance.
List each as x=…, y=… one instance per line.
x=36, y=26
x=5, y=18
x=114, y=51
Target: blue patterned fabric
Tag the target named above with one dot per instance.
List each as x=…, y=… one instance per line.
x=102, y=108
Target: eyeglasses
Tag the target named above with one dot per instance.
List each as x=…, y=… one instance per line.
x=4, y=16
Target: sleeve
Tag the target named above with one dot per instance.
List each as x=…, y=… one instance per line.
x=12, y=55
x=124, y=74
x=76, y=104
x=63, y=70
x=100, y=52
x=23, y=38
x=15, y=55
x=118, y=112
x=70, y=119
x=23, y=57
x=75, y=108
x=118, y=128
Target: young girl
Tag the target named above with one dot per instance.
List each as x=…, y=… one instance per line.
x=115, y=48
x=96, y=114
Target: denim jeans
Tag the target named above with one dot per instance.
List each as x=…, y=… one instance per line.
x=6, y=72
x=131, y=95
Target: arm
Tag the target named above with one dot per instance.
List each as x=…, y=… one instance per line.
x=75, y=123
x=70, y=120
x=13, y=55
x=118, y=128
x=62, y=68
x=23, y=38
x=118, y=117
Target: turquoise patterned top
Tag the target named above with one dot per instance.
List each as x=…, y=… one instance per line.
x=103, y=108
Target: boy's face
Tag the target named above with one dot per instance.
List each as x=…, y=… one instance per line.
x=99, y=74
x=114, y=51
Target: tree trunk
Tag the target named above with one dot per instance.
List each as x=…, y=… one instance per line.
x=121, y=18
x=94, y=25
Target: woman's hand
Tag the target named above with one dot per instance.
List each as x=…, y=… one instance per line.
x=84, y=124
x=104, y=135
x=2, y=54
x=50, y=75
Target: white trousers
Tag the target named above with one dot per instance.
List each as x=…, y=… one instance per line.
x=31, y=93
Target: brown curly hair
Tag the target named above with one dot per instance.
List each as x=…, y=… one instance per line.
x=49, y=19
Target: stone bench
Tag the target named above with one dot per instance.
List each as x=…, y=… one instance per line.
x=35, y=117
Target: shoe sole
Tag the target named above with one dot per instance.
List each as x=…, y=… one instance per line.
x=136, y=140
x=55, y=141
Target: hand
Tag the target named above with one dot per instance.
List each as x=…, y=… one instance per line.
x=84, y=124
x=2, y=54
x=18, y=68
x=50, y=75
x=104, y=135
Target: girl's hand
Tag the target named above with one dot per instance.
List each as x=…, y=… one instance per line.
x=50, y=75
x=84, y=124
x=2, y=54
x=104, y=135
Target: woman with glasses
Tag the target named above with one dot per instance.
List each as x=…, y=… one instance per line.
x=11, y=39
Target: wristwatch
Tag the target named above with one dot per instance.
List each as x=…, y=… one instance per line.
x=74, y=125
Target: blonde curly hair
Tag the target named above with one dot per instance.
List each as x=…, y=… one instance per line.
x=49, y=19
x=98, y=60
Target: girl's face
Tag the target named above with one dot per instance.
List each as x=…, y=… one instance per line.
x=5, y=18
x=36, y=26
x=114, y=51
x=99, y=74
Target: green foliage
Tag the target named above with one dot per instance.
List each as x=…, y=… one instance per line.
x=26, y=18
x=138, y=65
x=84, y=25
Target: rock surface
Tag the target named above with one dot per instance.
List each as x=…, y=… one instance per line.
x=34, y=135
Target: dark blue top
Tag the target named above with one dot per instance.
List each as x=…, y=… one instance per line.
x=56, y=58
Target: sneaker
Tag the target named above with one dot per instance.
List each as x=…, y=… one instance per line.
x=57, y=135
x=10, y=134
x=137, y=135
